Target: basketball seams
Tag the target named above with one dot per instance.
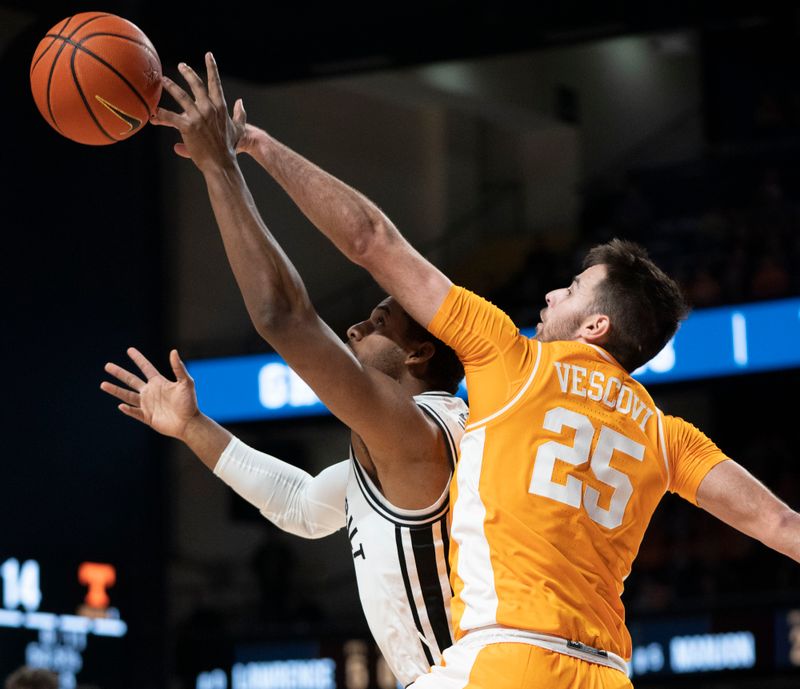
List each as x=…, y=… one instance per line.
x=54, y=37
x=68, y=39
x=83, y=96
x=107, y=64
x=50, y=82
x=144, y=44
x=89, y=20
x=121, y=64
x=65, y=41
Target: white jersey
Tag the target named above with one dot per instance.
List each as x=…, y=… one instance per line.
x=400, y=556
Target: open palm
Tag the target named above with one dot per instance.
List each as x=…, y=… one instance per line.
x=165, y=405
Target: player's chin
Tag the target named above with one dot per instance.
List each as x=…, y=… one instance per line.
x=360, y=356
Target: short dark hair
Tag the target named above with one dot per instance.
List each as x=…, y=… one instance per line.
x=645, y=305
x=445, y=370
x=26, y=677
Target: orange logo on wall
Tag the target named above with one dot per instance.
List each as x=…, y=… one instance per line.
x=98, y=577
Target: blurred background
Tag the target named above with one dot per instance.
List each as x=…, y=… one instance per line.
x=503, y=140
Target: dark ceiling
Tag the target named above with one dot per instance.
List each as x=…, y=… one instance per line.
x=269, y=42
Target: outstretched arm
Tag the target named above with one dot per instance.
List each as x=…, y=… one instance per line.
x=356, y=225
x=289, y=497
x=735, y=496
x=400, y=437
x=292, y=499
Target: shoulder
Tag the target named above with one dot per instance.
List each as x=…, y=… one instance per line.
x=443, y=404
x=449, y=413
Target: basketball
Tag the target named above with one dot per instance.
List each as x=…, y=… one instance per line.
x=96, y=78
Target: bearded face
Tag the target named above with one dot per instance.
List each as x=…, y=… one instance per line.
x=569, y=307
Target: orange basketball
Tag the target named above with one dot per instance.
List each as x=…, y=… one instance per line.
x=96, y=78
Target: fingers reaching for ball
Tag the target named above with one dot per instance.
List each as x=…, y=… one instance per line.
x=210, y=136
x=215, y=91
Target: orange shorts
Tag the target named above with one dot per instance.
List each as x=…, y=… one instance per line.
x=509, y=665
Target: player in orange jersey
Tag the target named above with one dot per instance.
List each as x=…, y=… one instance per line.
x=565, y=455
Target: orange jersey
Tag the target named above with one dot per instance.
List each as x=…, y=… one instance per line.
x=563, y=462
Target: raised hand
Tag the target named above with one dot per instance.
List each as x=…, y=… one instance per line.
x=210, y=136
x=166, y=406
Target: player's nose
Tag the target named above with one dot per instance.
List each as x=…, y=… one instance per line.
x=358, y=331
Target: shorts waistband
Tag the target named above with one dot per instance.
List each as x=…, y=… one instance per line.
x=497, y=634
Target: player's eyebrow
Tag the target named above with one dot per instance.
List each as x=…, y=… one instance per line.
x=381, y=308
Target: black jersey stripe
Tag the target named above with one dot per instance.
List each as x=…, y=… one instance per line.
x=401, y=557
x=439, y=421
x=378, y=502
x=388, y=514
x=424, y=550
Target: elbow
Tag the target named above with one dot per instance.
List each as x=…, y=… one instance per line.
x=268, y=323
x=369, y=241
x=788, y=519
x=782, y=532
x=783, y=521
x=276, y=318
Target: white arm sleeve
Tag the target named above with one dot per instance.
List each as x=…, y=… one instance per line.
x=293, y=500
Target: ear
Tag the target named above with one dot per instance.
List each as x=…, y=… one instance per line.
x=595, y=328
x=420, y=354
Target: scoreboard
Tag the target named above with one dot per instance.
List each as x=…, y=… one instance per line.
x=63, y=616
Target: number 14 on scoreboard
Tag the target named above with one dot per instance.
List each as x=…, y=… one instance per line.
x=21, y=584
x=22, y=588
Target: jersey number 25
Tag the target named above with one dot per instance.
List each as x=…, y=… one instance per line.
x=573, y=492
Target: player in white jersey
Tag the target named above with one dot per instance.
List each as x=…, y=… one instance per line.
x=391, y=384
x=401, y=558
x=400, y=555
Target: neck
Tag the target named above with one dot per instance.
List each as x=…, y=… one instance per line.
x=412, y=385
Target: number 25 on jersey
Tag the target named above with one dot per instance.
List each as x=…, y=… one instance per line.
x=573, y=492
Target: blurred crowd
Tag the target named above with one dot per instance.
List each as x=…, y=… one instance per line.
x=728, y=231
x=737, y=242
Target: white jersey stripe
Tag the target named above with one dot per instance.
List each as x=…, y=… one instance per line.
x=662, y=443
x=603, y=354
x=440, y=536
x=474, y=564
x=515, y=399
